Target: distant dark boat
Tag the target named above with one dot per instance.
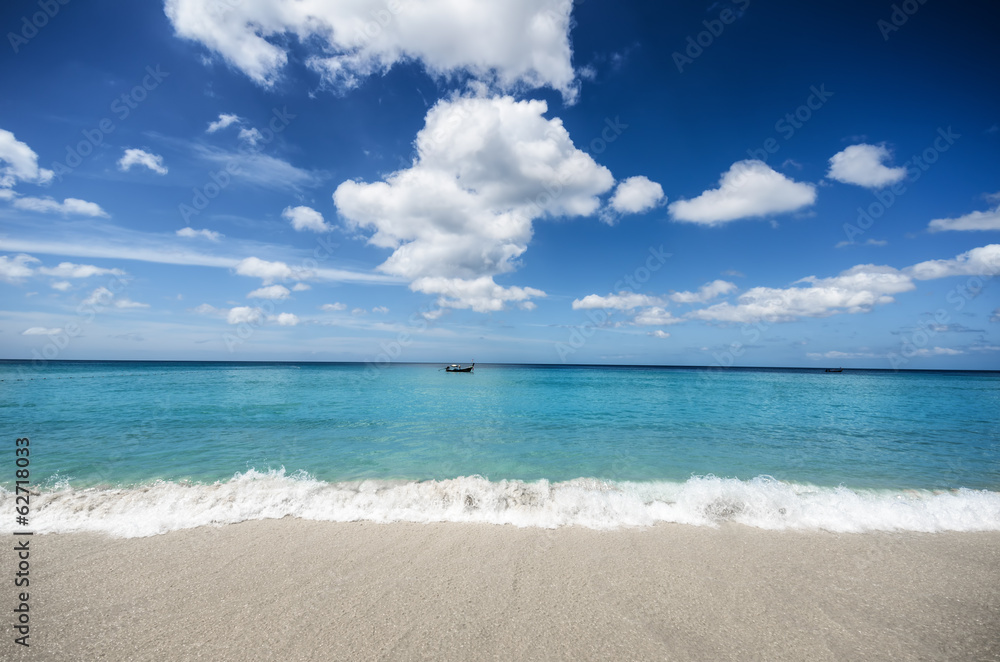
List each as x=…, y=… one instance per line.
x=457, y=367
x=834, y=370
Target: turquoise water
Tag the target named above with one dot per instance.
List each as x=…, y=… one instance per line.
x=104, y=429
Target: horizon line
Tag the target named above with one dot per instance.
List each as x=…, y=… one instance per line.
x=508, y=364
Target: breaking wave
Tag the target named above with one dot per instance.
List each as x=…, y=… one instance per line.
x=762, y=502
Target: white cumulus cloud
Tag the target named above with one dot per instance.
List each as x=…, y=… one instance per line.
x=486, y=169
x=863, y=165
x=284, y=319
x=515, y=43
x=267, y=271
x=17, y=268
x=624, y=300
x=655, y=316
x=636, y=195
x=749, y=188
x=333, y=307
x=305, y=218
x=481, y=294
x=245, y=315
x=140, y=157
x=18, y=162
x=982, y=261
x=855, y=290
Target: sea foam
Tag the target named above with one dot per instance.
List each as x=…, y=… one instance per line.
x=762, y=502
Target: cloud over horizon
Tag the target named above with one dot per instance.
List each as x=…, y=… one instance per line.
x=463, y=212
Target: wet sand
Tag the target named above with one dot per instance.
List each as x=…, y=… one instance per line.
x=299, y=590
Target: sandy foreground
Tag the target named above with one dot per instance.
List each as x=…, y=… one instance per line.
x=297, y=590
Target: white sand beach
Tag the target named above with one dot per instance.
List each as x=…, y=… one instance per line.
x=299, y=590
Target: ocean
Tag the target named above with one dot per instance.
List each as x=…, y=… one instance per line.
x=142, y=448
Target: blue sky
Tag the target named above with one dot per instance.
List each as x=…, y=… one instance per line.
x=735, y=183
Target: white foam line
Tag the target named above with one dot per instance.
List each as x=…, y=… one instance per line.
x=762, y=502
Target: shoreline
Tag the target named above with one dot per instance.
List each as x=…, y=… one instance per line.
x=302, y=590
x=762, y=502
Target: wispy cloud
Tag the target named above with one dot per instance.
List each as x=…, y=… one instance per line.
x=973, y=221
x=225, y=119
x=869, y=242
x=706, y=292
x=191, y=233
x=70, y=270
x=262, y=170
x=68, y=207
x=834, y=354
x=272, y=292
x=40, y=331
x=104, y=297
x=119, y=243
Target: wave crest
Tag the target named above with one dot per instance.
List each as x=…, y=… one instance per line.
x=761, y=502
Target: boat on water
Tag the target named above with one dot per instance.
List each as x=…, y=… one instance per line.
x=834, y=370
x=457, y=367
